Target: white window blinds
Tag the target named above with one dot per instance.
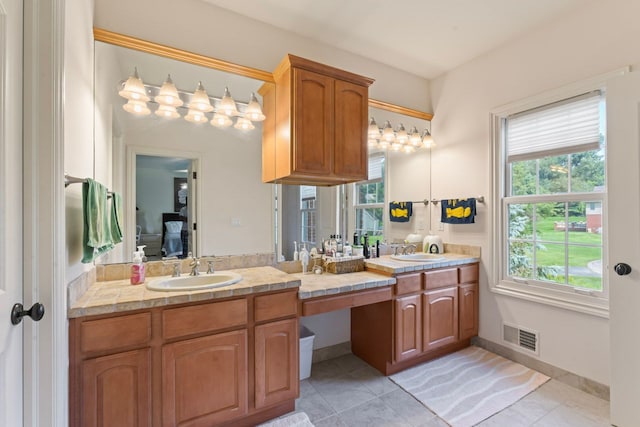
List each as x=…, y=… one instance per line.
x=376, y=166
x=564, y=127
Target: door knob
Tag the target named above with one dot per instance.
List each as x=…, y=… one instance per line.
x=36, y=312
x=622, y=269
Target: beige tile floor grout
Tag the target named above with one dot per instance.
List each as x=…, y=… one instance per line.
x=347, y=392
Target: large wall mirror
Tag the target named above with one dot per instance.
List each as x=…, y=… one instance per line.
x=173, y=173
x=152, y=161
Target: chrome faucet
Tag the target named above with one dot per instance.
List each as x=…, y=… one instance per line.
x=409, y=249
x=210, y=267
x=194, y=264
x=176, y=270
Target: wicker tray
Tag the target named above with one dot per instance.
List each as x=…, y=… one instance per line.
x=344, y=265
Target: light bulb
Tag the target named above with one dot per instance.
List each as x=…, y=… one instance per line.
x=195, y=116
x=427, y=139
x=200, y=100
x=227, y=104
x=372, y=142
x=168, y=94
x=138, y=108
x=396, y=146
x=387, y=132
x=221, y=121
x=414, y=137
x=254, y=111
x=243, y=124
x=134, y=89
x=167, y=111
x=374, y=130
x=408, y=149
x=401, y=134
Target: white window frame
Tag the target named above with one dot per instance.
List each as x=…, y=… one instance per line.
x=312, y=212
x=594, y=303
x=380, y=205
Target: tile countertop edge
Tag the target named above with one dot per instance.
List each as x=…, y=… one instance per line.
x=119, y=296
x=390, y=266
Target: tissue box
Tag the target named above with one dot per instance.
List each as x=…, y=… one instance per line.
x=344, y=264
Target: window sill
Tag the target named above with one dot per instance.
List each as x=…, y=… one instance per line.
x=591, y=305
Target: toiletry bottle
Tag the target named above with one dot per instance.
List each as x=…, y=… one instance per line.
x=365, y=246
x=348, y=251
x=304, y=258
x=295, y=251
x=377, y=248
x=141, y=251
x=137, y=269
x=432, y=244
x=355, y=239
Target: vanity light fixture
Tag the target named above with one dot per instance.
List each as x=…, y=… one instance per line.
x=198, y=104
x=399, y=139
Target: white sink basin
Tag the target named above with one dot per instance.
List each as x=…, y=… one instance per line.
x=192, y=283
x=419, y=257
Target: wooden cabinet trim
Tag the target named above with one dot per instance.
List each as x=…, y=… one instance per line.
x=275, y=306
x=326, y=304
x=203, y=318
x=408, y=327
x=440, y=316
x=114, y=333
x=440, y=278
x=468, y=303
x=408, y=283
x=469, y=273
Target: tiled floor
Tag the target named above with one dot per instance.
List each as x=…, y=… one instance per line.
x=347, y=392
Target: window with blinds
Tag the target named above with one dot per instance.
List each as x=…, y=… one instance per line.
x=554, y=194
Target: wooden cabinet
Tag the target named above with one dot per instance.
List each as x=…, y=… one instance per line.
x=276, y=369
x=408, y=327
x=433, y=312
x=204, y=380
x=316, y=127
x=440, y=317
x=228, y=362
x=116, y=390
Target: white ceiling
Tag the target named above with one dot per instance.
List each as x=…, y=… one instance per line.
x=423, y=37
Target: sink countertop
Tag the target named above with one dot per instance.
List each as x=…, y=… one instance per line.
x=325, y=284
x=120, y=296
x=388, y=265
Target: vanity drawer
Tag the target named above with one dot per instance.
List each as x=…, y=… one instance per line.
x=274, y=306
x=115, y=333
x=469, y=273
x=197, y=319
x=408, y=284
x=440, y=278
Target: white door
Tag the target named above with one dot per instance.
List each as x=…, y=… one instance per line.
x=623, y=165
x=10, y=210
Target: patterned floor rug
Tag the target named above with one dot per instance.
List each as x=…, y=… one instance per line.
x=470, y=385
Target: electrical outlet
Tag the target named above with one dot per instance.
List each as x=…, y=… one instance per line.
x=235, y=222
x=420, y=224
x=441, y=226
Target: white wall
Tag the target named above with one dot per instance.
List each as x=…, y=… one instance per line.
x=601, y=37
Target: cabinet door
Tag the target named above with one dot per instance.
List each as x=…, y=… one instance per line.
x=276, y=362
x=468, y=300
x=440, y=317
x=350, y=146
x=204, y=380
x=408, y=327
x=312, y=123
x=116, y=390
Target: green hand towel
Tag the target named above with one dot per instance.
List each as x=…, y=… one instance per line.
x=116, y=218
x=96, y=238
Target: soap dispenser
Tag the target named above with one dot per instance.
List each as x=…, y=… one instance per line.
x=137, y=268
x=432, y=244
x=295, y=251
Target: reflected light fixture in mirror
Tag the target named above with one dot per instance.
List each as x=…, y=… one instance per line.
x=398, y=139
x=198, y=104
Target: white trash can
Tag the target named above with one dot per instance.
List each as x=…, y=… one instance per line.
x=306, y=351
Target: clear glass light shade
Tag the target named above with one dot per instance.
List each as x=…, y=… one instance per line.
x=138, y=108
x=374, y=130
x=387, y=132
x=243, y=124
x=221, y=121
x=200, y=100
x=167, y=111
x=414, y=137
x=396, y=146
x=168, y=94
x=408, y=149
x=227, y=104
x=134, y=89
x=401, y=134
x=383, y=144
x=254, y=111
x=195, y=116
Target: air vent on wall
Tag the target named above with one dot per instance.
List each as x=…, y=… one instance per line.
x=520, y=338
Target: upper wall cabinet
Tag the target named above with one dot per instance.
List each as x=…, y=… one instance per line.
x=316, y=130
